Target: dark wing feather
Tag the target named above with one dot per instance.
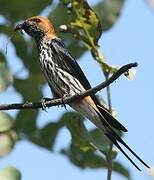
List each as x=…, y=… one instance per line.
x=66, y=61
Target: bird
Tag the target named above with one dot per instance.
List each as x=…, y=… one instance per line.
x=66, y=78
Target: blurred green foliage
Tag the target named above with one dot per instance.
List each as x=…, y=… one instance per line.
x=85, y=27
x=10, y=173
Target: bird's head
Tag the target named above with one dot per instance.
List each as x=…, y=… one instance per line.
x=37, y=27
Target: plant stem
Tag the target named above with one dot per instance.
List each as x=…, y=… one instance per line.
x=101, y=58
x=109, y=155
x=109, y=161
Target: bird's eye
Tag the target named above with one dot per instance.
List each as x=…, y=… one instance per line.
x=36, y=20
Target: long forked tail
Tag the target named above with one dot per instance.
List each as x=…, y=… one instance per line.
x=115, y=138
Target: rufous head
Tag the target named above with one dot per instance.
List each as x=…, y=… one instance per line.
x=38, y=27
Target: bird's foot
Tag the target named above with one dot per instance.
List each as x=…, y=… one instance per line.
x=43, y=102
x=63, y=101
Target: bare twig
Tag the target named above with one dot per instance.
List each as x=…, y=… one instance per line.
x=67, y=100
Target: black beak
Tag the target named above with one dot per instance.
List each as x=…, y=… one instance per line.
x=18, y=27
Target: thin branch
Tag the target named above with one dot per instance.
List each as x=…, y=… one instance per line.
x=67, y=100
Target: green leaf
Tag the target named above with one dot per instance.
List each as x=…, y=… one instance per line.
x=6, y=122
x=80, y=136
x=83, y=159
x=26, y=50
x=84, y=144
x=59, y=20
x=10, y=173
x=5, y=29
x=108, y=12
x=90, y=159
x=121, y=169
x=29, y=88
x=85, y=24
x=2, y=58
x=74, y=45
x=25, y=122
x=101, y=142
x=7, y=142
x=108, y=68
x=6, y=77
x=16, y=10
x=84, y=140
x=46, y=136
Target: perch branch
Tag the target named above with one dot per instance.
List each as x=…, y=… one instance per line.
x=69, y=99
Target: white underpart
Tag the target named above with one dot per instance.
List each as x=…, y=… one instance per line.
x=88, y=111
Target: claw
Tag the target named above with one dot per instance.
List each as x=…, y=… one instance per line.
x=63, y=102
x=43, y=102
x=44, y=107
